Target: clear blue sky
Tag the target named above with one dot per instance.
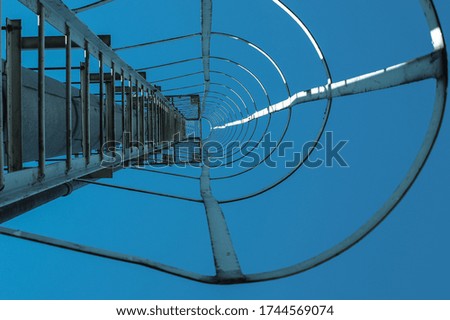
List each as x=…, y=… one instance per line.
x=404, y=258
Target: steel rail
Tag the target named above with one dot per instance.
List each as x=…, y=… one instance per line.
x=206, y=25
x=139, y=45
x=91, y=6
x=164, y=173
x=106, y=254
x=165, y=195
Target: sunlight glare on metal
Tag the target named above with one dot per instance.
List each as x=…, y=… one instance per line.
x=302, y=25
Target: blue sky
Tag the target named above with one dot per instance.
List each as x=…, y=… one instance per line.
x=406, y=257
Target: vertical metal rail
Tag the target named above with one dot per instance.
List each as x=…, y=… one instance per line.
x=14, y=94
x=86, y=108
x=171, y=119
x=169, y=125
x=148, y=119
x=172, y=124
x=141, y=118
x=111, y=93
x=161, y=129
x=175, y=136
x=129, y=117
x=152, y=119
x=206, y=45
x=101, y=130
x=166, y=124
x=163, y=124
x=138, y=114
x=137, y=107
x=130, y=112
x=69, y=133
x=143, y=123
x=124, y=129
x=41, y=90
x=144, y=118
x=158, y=122
x=153, y=123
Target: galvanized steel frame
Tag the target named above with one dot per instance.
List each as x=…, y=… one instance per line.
x=433, y=65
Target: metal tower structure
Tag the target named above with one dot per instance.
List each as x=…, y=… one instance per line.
x=114, y=118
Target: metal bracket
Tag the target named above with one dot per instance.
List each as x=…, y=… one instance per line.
x=56, y=42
